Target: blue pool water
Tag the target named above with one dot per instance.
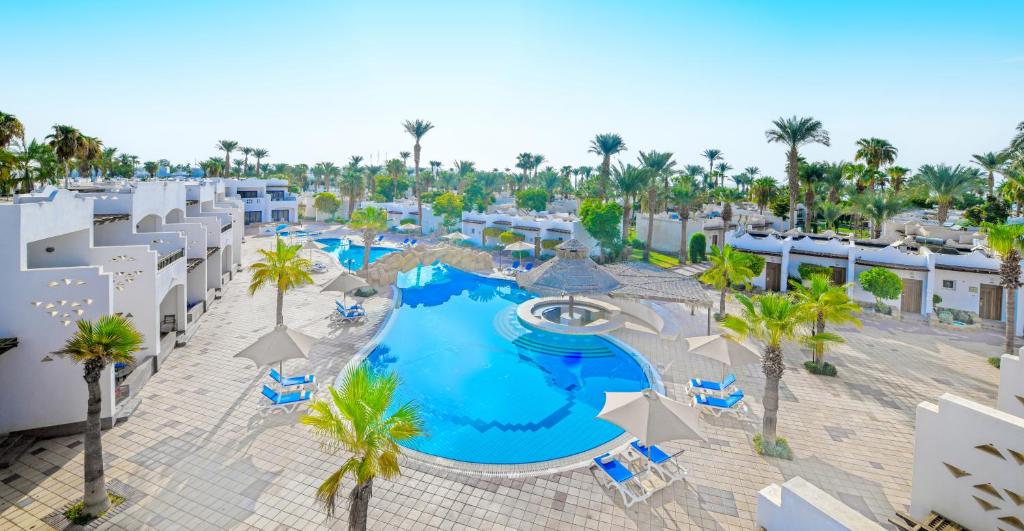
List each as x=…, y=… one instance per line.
x=491, y=390
x=352, y=252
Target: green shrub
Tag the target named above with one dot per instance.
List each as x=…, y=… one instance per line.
x=548, y=245
x=755, y=262
x=995, y=361
x=806, y=270
x=883, y=284
x=508, y=237
x=698, y=248
x=936, y=300
x=430, y=197
x=826, y=368
x=408, y=220
x=532, y=199
x=780, y=450
x=365, y=291
x=75, y=515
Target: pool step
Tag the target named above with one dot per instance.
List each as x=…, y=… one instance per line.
x=508, y=326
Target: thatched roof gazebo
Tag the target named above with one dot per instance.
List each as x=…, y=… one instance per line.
x=571, y=272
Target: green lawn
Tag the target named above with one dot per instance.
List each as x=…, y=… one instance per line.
x=661, y=260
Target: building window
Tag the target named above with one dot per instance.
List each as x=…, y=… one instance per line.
x=949, y=284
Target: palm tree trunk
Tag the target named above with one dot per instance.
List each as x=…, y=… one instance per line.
x=819, y=350
x=280, y=306
x=652, y=195
x=772, y=367
x=606, y=165
x=793, y=186
x=95, y=499
x=943, y=212
x=683, y=254
x=416, y=179
x=1011, y=319
x=991, y=182
x=360, y=505
x=627, y=215
x=721, y=302
x=367, y=238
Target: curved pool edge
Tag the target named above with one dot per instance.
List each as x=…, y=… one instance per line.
x=509, y=471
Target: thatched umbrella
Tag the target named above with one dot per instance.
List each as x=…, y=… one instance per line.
x=312, y=245
x=571, y=272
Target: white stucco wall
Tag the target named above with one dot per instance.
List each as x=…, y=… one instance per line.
x=1011, y=384
x=798, y=505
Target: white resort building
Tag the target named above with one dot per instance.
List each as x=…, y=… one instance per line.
x=548, y=229
x=265, y=200
x=157, y=252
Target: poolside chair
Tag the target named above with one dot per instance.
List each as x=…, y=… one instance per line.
x=716, y=406
x=379, y=239
x=511, y=270
x=663, y=464
x=349, y=316
x=528, y=267
x=696, y=385
x=413, y=243
x=293, y=381
x=318, y=267
x=342, y=308
x=288, y=402
x=622, y=479
x=405, y=242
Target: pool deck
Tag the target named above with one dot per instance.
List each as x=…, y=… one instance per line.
x=196, y=455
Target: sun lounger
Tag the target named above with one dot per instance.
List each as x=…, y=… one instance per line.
x=379, y=239
x=528, y=267
x=349, y=316
x=318, y=267
x=696, y=385
x=663, y=464
x=620, y=477
x=288, y=402
x=512, y=269
x=716, y=406
x=293, y=381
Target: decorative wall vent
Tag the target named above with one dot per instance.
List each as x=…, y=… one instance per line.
x=1017, y=456
x=989, y=489
x=1017, y=499
x=984, y=504
x=956, y=472
x=1012, y=521
x=989, y=449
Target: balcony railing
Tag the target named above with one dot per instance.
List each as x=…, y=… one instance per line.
x=169, y=259
x=290, y=198
x=226, y=228
x=253, y=200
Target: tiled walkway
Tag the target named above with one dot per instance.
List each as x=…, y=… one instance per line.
x=200, y=456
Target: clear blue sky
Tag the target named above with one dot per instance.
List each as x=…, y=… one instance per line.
x=317, y=80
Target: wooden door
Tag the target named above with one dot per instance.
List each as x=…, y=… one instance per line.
x=910, y=302
x=990, y=305
x=838, y=275
x=772, y=276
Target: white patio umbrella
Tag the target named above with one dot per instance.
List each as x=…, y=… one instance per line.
x=312, y=245
x=278, y=345
x=456, y=237
x=408, y=226
x=651, y=416
x=344, y=283
x=723, y=349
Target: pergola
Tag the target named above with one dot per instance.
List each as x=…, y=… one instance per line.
x=640, y=280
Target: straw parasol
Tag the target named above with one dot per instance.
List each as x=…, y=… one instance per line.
x=570, y=273
x=408, y=226
x=278, y=345
x=312, y=245
x=456, y=237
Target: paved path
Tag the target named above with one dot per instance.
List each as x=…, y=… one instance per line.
x=200, y=457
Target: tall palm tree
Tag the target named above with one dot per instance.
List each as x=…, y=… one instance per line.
x=721, y=169
x=752, y=171
x=151, y=168
x=946, y=183
x=66, y=142
x=97, y=344
x=630, y=180
x=726, y=197
x=875, y=152
x=260, y=154
x=810, y=176
x=829, y=303
x=771, y=318
x=729, y=267
x=660, y=166
x=830, y=213
x=10, y=129
x=395, y=168
x=606, y=145
x=246, y=151
x=1007, y=242
x=416, y=130
x=359, y=419
x=370, y=221
x=404, y=155
x=897, y=175
x=90, y=153
x=352, y=179
x=991, y=163
x=762, y=190
x=713, y=155
x=795, y=132
x=878, y=207
x=834, y=178
x=282, y=267
x=227, y=146
x=685, y=194
x=1017, y=144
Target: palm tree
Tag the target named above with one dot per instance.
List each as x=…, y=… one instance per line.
x=110, y=339
x=896, y=174
x=90, y=152
x=404, y=155
x=726, y=196
x=721, y=169
x=630, y=180
x=810, y=176
x=416, y=130
x=1007, y=241
x=875, y=152
x=606, y=145
x=947, y=183
x=260, y=154
x=395, y=168
x=10, y=128
x=66, y=142
x=370, y=221
x=729, y=267
x=829, y=303
x=227, y=146
x=685, y=193
x=660, y=165
x=878, y=207
x=282, y=267
x=713, y=155
x=796, y=132
x=360, y=421
x=1017, y=144
x=151, y=168
x=834, y=178
x=830, y=213
x=762, y=190
x=771, y=318
x=246, y=151
x=991, y=163
x=352, y=179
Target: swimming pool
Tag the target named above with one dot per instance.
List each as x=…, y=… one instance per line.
x=351, y=256
x=490, y=390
